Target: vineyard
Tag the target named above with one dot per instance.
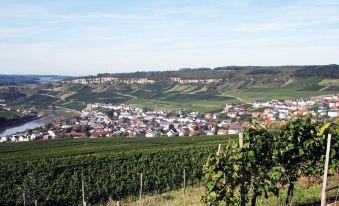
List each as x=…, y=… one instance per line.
x=267, y=161
x=52, y=172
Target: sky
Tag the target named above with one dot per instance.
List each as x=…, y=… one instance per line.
x=81, y=37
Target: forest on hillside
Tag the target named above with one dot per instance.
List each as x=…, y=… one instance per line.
x=228, y=72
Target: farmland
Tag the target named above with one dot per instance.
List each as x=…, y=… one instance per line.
x=66, y=147
x=228, y=85
x=171, y=96
x=52, y=171
x=296, y=89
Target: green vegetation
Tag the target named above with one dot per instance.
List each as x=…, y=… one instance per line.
x=10, y=116
x=231, y=85
x=198, y=97
x=331, y=71
x=270, y=160
x=305, y=193
x=52, y=171
x=79, y=147
x=329, y=82
x=298, y=88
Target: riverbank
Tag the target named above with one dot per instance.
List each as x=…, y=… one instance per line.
x=19, y=120
x=38, y=121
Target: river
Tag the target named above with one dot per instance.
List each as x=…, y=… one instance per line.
x=21, y=127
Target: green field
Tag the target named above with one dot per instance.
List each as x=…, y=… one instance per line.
x=298, y=88
x=52, y=171
x=329, y=82
x=78, y=147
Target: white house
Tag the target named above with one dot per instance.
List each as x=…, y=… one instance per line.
x=23, y=139
x=150, y=133
x=210, y=132
x=172, y=133
x=4, y=139
x=51, y=133
x=282, y=115
x=234, y=129
x=332, y=113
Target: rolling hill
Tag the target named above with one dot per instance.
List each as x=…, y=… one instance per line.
x=201, y=89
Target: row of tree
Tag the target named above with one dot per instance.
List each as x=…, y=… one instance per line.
x=269, y=161
x=226, y=72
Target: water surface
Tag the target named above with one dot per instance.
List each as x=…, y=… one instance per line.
x=21, y=127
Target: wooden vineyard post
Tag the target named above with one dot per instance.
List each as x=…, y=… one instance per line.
x=140, y=186
x=24, y=197
x=242, y=197
x=184, y=181
x=219, y=148
x=225, y=186
x=241, y=139
x=83, y=193
x=118, y=203
x=323, y=191
x=36, y=202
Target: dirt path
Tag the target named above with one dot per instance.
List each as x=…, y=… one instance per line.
x=290, y=81
x=238, y=98
x=322, y=89
x=126, y=95
x=48, y=95
x=69, y=110
x=65, y=96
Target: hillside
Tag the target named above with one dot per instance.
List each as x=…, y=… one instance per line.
x=200, y=89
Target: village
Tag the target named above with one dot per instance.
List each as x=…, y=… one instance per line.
x=106, y=120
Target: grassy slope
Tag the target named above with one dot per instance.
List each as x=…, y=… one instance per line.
x=303, y=195
x=298, y=88
x=159, y=95
x=200, y=97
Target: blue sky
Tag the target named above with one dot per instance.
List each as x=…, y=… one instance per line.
x=78, y=37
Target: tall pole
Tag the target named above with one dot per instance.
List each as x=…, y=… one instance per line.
x=83, y=193
x=323, y=191
x=184, y=181
x=24, y=197
x=140, y=196
x=242, y=188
